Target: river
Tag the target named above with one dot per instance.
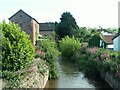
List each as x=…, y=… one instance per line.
x=71, y=77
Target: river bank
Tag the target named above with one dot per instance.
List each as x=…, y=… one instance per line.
x=71, y=77
x=36, y=76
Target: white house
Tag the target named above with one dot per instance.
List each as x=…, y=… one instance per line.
x=116, y=41
x=107, y=42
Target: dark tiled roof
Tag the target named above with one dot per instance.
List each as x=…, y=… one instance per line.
x=47, y=26
x=108, y=39
x=118, y=34
x=25, y=13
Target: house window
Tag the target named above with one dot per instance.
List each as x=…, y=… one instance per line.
x=21, y=25
x=20, y=16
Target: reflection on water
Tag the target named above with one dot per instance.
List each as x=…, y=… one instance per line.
x=71, y=77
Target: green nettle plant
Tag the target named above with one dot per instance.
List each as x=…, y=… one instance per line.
x=68, y=46
x=17, y=49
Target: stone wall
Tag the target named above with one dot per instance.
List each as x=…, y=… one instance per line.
x=46, y=33
x=111, y=80
x=34, y=79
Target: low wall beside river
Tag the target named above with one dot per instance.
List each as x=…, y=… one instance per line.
x=33, y=79
x=111, y=80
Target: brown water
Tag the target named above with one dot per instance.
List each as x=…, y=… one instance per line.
x=71, y=77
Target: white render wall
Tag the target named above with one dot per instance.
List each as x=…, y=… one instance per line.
x=117, y=43
x=110, y=46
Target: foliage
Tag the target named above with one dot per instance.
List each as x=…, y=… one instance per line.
x=12, y=79
x=112, y=30
x=94, y=60
x=86, y=63
x=106, y=59
x=95, y=40
x=51, y=56
x=39, y=54
x=17, y=49
x=42, y=68
x=118, y=70
x=68, y=46
x=66, y=25
x=82, y=33
x=118, y=66
x=0, y=48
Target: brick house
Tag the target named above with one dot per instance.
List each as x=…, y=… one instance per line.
x=26, y=23
x=46, y=28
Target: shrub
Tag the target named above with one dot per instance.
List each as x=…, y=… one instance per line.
x=94, y=41
x=93, y=60
x=17, y=49
x=68, y=46
x=12, y=79
x=51, y=56
x=39, y=54
x=42, y=67
x=86, y=62
x=118, y=58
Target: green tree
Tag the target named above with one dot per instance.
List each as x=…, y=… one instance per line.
x=111, y=30
x=95, y=39
x=82, y=33
x=66, y=25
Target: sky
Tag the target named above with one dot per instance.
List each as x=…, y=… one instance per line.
x=87, y=13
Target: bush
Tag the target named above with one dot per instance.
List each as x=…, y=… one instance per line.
x=51, y=56
x=17, y=49
x=12, y=79
x=94, y=60
x=68, y=46
x=39, y=54
x=94, y=41
x=86, y=62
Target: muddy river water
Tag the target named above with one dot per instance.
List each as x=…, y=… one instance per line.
x=71, y=77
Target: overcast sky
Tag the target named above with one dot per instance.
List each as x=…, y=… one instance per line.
x=88, y=13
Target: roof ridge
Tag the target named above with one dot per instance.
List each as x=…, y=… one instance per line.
x=25, y=13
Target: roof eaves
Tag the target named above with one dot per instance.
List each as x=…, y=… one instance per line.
x=35, y=20
x=118, y=34
x=18, y=12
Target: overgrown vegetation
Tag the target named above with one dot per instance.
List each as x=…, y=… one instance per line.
x=94, y=41
x=68, y=46
x=17, y=49
x=90, y=60
x=17, y=54
x=51, y=56
x=94, y=60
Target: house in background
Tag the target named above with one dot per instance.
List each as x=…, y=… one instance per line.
x=107, y=42
x=46, y=29
x=116, y=41
x=103, y=31
x=26, y=23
